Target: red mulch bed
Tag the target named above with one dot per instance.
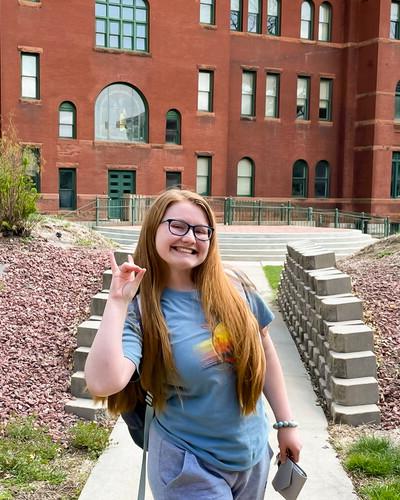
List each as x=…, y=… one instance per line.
x=45, y=293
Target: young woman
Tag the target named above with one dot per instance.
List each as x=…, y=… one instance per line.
x=202, y=349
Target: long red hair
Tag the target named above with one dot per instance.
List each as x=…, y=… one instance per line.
x=221, y=303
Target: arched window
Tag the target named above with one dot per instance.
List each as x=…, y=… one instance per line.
x=173, y=127
x=273, y=17
x=325, y=22
x=321, y=187
x=67, y=120
x=299, y=179
x=122, y=26
x=121, y=114
x=307, y=11
x=245, y=178
x=397, y=102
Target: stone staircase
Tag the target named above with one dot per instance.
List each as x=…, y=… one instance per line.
x=82, y=403
x=266, y=247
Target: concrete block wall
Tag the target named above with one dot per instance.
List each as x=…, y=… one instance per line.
x=326, y=321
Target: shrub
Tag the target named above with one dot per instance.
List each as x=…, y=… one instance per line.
x=18, y=195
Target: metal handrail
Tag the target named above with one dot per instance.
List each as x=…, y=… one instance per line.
x=131, y=210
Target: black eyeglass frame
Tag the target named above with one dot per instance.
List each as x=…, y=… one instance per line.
x=210, y=230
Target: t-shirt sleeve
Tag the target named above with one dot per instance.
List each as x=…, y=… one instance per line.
x=260, y=309
x=132, y=336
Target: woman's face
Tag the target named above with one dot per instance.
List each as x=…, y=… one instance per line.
x=182, y=253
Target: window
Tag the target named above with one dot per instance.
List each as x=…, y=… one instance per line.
x=321, y=188
x=67, y=120
x=325, y=99
x=272, y=96
x=121, y=114
x=306, y=22
x=205, y=91
x=30, y=75
x=397, y=102
x=122, y=24
x=203, y=177
x=253, y=17
x=303, y=98
x=32, y=158
x=324, y=26
x=273, y=17
x=395, y=20
x=173, y=127
x=248, y=93
x=395, y=187
x=299, y=179
x=207, y=11
x=236, y=15
x=67, y=188
x=245, y=178
x=173, y=180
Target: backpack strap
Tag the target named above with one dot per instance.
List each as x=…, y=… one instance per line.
x=149, y=415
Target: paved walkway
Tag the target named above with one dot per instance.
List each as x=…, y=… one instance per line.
x=115, y=477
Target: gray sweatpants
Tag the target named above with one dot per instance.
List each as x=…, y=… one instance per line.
x=176, y=474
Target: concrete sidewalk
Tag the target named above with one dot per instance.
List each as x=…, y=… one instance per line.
x=116, y=474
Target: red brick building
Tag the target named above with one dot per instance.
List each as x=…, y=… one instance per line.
x=286, y=100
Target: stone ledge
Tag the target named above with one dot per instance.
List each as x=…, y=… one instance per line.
x=355, y=415
x=354, y=391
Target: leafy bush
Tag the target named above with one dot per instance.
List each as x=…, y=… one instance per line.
x=18, y=195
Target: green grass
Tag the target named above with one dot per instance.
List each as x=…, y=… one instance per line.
x=30, y=459
x=26, y=455
x=374, y=456
x=91, y=437
x=385, y=491
x=273, y=275
x=375, y=464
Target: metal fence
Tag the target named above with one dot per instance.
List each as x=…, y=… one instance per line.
x=131, y=209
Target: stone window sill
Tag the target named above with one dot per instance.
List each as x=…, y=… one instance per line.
x=27, y=100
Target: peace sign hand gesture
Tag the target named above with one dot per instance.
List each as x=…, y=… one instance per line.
x=125, y=280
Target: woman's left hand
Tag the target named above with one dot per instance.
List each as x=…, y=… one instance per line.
x=289, y=444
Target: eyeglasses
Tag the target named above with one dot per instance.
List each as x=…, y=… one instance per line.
x=180, y=228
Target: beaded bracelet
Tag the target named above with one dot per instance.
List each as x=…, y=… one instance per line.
x=284, y=424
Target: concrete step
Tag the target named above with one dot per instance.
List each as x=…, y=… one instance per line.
x=78, y=385
x=273, y=243
x=79, y=358
x=255, y=246
x=98, y=303
x=256, y=234
x=88, y=329
x=86, y=408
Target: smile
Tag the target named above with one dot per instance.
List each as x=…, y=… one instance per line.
x=189, y=251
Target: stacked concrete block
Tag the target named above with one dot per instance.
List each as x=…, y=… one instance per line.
x=82, y=403
x=326, y=322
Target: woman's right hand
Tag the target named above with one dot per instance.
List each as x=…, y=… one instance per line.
x=126, y=279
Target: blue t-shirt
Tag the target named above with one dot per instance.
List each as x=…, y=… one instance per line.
x=203, y=415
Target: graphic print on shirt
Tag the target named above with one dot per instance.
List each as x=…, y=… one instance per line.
x=217, y=350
